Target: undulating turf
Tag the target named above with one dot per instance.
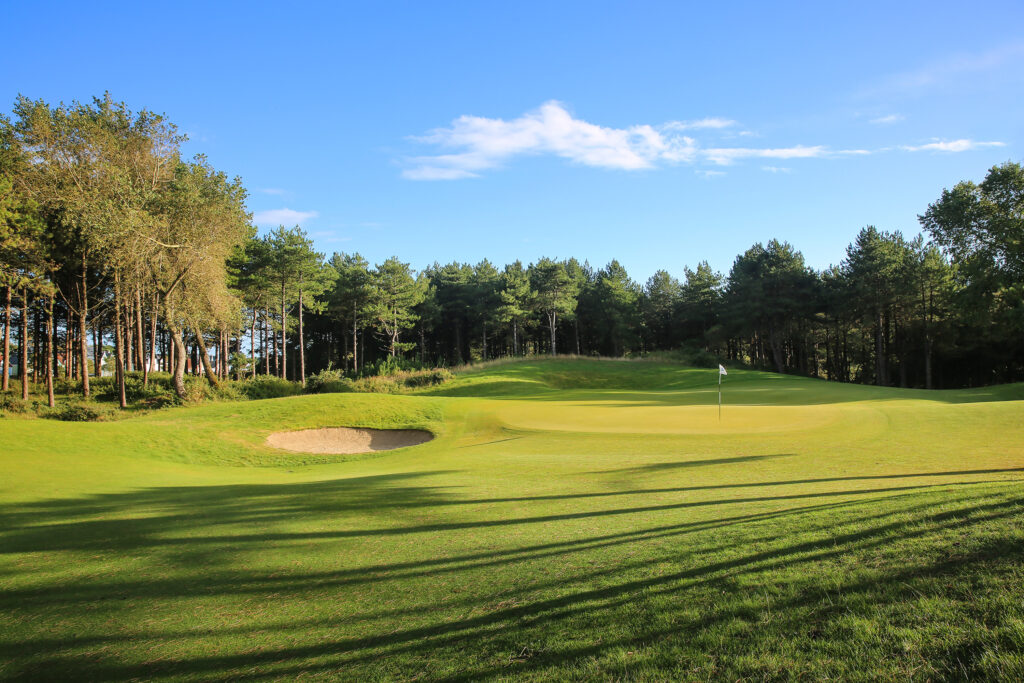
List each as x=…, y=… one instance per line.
x=573, y=520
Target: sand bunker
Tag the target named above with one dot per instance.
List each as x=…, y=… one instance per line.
x=347, y=440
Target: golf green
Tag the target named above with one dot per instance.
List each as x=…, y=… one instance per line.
x=572, y=519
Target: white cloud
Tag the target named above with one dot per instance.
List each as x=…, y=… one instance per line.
x=886, y=120
x=723, y=156
x=480, y=143
x=710, y=122
x=709, y=174
x=474, y=144
x=962, y=145
x=277, y=192
x=288, y=217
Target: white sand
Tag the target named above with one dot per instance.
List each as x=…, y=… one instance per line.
x=347, y=440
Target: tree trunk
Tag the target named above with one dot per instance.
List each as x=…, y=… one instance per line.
x=97, y=347
x=484, y=353
x=7, y=339
x=284, y=353
x=879, y=350
x=552, y=321
x=37, y=336
x=928, y=362
x=515, y=337
x=140, y=346
x=127, y=335
x=24, y=344
x=252, y=343
x=177, y=353
x=204, y=357
x=152, y=338
x=394, y=335
x=49, y=352
x=355, y=338
x=302, y=346
x=119, y=343
x=265, y=344
x=83, y=335
x=776, y=346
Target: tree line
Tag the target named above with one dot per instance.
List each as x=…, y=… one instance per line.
x=115, y=251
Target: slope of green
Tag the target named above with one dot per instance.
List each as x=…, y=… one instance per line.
x=573, y=519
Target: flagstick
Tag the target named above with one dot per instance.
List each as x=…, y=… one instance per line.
x=719, y=396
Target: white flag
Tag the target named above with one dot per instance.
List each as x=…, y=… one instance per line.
x=721, y=370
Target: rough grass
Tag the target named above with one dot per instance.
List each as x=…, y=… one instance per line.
x=573, y=520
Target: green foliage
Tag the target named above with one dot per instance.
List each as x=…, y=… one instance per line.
x=328, y=381
x=403, y=381
x=9, y=403
x=267, y=386
x=392, y=306
x=240, y=364
x=75, y=411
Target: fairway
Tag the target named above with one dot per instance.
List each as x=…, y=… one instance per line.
x=571, y=519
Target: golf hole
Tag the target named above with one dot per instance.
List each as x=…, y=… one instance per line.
x=347, y=440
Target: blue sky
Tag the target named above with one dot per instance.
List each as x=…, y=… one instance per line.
x=660, y=134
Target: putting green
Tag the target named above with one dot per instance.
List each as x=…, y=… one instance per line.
x=571, y=519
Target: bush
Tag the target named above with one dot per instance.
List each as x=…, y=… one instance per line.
x=265, y=386
x=388, y=366
x=9, y=403
x=78, y=412
x=158, y=401
x=401, y=382
x=428, y=378
x=329, y=381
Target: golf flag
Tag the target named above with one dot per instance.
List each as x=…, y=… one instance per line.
x=721, y=371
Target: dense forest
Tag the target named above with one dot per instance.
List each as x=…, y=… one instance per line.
x=117, y=255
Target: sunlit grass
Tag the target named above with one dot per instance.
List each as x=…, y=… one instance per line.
x=573, y=519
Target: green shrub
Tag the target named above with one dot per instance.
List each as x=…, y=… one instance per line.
x=389, y=366
x=78, y=412
x=328, y=381
x=9, y=403
x=228, y=391
x=157, y=401
x=265, y=386
x=428, y=378
x=402, y=382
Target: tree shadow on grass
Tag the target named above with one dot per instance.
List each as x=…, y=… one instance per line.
x=589, y=605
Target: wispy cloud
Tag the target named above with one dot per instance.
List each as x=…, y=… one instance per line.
x=283, y=217
x=886, y=120
x=709, y=174
x=723, y=156
x=710, y=122
x=474, y=144
x=963, y=145
x=480, y=143
x=275, y=191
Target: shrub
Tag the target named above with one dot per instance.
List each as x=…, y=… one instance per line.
x=328, y=381
x=428, y=378
x=401, y=382
x=78, y=412
x=388, y=366
x=265, y=386
x=157, y=401
x=9, y=403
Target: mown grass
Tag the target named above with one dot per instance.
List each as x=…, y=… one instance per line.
x=573, y=520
